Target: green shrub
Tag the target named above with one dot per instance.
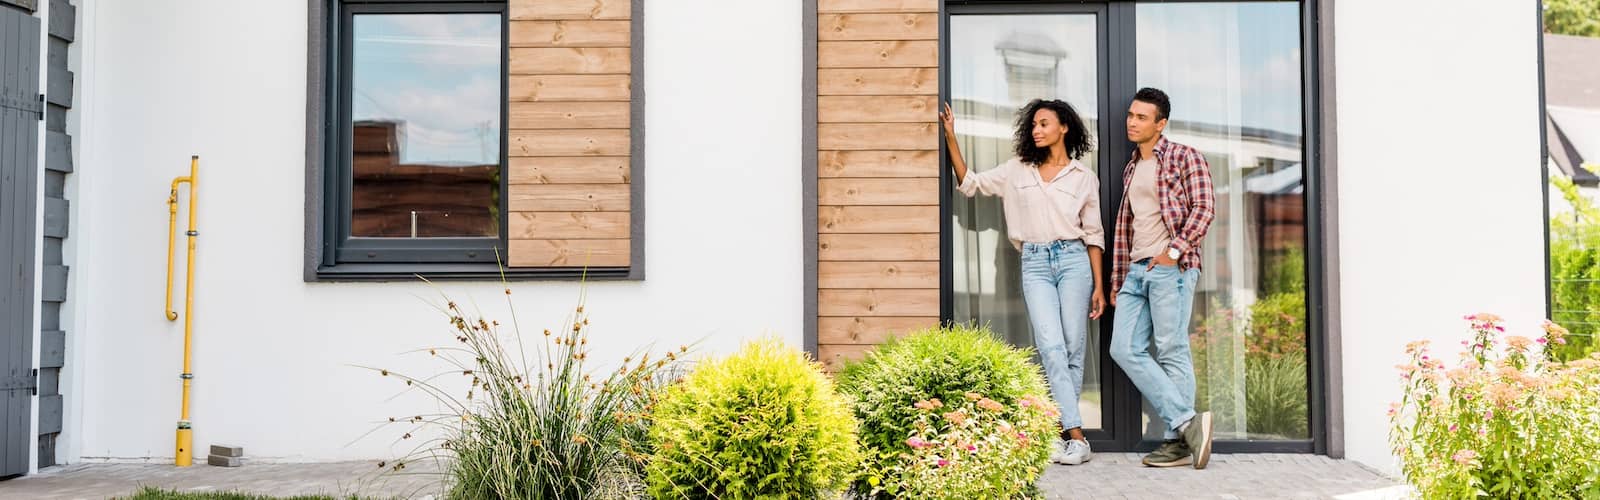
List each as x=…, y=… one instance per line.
x=1271, y=347
x=1503, y=423
x=1575, y=272
x=944, y=366
x=1278, y=326
x=1275, y=397
x=534, y=424
x=762, y=423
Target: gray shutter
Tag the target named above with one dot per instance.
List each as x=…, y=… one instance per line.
x=20, y=113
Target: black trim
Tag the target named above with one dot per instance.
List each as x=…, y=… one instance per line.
x=348, y=249
x=808, y=177
x=1544, y=161
x=1316, y=356
x=467, y=272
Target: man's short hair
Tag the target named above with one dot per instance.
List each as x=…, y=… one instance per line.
x=1157, y=98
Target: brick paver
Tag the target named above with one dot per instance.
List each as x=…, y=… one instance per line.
x=1109, y=476
x=1245, y=476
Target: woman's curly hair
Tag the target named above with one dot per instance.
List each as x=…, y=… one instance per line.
x=1077, y=141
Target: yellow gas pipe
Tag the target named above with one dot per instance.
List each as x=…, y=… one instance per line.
x=184, y=456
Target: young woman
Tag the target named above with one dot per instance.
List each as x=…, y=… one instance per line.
x=1052, y=212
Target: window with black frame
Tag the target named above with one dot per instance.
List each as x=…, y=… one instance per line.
x=415, y=164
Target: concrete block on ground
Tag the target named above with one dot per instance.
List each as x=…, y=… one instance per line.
x=227, y=450
x=221, y=461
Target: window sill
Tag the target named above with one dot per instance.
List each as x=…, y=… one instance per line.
x=362, y=272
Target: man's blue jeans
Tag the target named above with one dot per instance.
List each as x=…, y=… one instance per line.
x=1153, y=306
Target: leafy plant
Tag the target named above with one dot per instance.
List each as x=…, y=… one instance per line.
x=1572, y=17
x=1503, y=423
x=976, y=448
x=1261, y=360
x=762, y=423
x=948, y=364
x=1275, y=397
x=1575, y=271
x=540, y=428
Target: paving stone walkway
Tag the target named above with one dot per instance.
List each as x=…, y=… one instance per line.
x=1244, y=476
x=1109, y=476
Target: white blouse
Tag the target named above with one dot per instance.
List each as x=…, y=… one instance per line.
x=1066, y=207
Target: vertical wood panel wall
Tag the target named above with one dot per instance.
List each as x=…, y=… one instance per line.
x=877, y=173
x=570, y=65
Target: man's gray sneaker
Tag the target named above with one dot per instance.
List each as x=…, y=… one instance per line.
x=1172, y=453
x=1072, y=452
x=1197, y=435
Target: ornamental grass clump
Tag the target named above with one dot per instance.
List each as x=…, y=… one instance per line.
x=1505, y=422
x=535, y=421
x=762, y=423
x=950, y=413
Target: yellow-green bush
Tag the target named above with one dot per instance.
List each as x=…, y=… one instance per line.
x=762, y=423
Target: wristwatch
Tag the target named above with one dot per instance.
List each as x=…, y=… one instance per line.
x=1173, y=253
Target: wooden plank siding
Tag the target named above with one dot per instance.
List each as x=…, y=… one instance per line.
x=877, y=173
x=570, y=65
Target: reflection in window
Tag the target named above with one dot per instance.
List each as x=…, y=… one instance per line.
x=1233, y=72
x=425, y=132
x=999, y=63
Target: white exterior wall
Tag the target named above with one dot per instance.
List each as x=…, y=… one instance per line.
x=1440, y=204
x=1439, y=215
x=226, y=80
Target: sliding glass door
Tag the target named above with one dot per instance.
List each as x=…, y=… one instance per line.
x=1235, y=74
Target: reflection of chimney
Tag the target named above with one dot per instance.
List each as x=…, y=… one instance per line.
x=377, y=137
x=1032, y=63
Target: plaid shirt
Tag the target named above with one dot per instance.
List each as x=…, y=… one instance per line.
x=1187, y=206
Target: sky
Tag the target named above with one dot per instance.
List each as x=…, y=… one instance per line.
x=440, y=75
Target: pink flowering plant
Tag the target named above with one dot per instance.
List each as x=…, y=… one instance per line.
x=974, y=448
x=950, y=412
x=1505, y=422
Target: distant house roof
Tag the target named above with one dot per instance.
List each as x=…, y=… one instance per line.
x=1572, y=97
x=1571, y=72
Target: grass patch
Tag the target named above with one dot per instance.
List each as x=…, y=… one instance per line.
x=152, y=493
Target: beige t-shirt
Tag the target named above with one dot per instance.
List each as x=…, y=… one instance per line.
x=1066, y=207
x=1150, y=234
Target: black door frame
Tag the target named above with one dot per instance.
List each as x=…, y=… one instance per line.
x=1121, y=404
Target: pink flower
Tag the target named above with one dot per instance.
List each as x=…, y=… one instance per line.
x=1464, y=457
x=972, y=447
x=1453, y=427
x=943, y=462
x=916, y=443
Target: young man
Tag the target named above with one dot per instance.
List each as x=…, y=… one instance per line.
x=1167, y=207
